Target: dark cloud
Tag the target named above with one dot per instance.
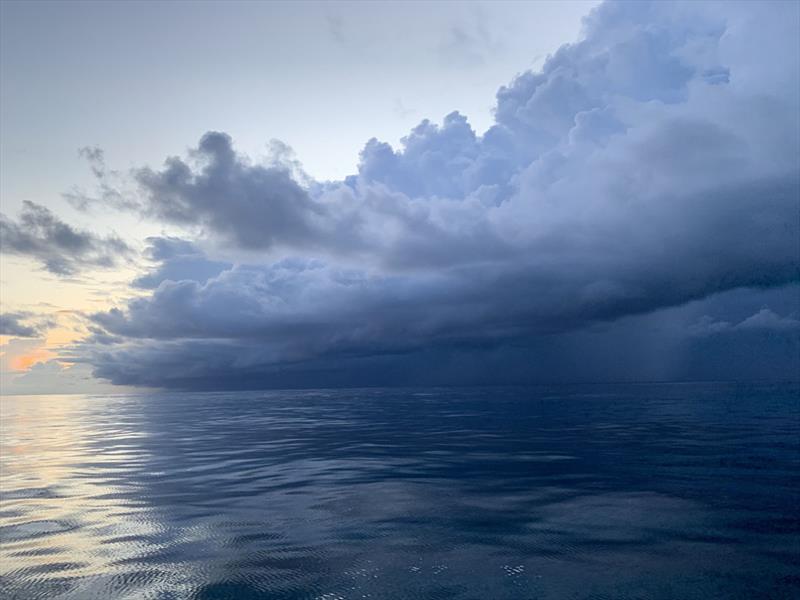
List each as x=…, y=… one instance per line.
x=11, y=324
x=650, y=167
x=60, y=248
x=178, y=260
x=659, y=346
x=254, y=206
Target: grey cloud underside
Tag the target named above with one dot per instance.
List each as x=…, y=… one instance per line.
x=177, y=260
x=60, y=248
x=13, y=324
x=651, y=165
x=675, y=343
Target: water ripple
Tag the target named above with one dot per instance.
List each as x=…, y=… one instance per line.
x=661, y=491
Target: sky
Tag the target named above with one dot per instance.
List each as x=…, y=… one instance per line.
x=259, y=195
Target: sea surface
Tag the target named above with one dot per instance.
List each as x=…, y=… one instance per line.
x=614, y=491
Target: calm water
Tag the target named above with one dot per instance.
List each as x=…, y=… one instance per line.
x=658, y=491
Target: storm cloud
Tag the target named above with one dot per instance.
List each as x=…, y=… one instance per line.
x=659, y=346
x=650, y=166
x=60, y=248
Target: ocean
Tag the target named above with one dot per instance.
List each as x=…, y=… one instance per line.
x=585, y=491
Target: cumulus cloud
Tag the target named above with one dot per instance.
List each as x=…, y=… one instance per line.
x=254, y=206
x=59, y=247
x=650, y=165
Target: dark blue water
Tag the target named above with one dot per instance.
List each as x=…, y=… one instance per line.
x=633, y=491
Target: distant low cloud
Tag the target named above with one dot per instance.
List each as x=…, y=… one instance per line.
x=53, y=377
x=765, y=320
x=652, y=165
x=60, y=248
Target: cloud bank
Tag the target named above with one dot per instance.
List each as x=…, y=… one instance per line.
x=650, y=166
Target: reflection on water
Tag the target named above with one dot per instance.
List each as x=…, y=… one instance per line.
x=658, y=491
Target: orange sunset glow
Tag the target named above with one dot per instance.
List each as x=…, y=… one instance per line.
x=26, y=361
